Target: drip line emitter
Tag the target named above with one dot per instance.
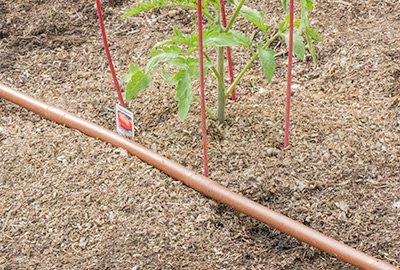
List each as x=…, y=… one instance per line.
x=190, y=178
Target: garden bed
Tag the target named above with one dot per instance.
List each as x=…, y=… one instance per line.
x=69, y=201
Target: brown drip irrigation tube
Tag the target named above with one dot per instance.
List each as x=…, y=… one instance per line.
x=201, y=183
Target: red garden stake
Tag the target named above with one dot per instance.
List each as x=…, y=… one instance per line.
x=228, y=50
x=202, y=96
x=289, y=77
x=103, y=33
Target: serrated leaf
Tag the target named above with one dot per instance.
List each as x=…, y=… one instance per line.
x=309, y=4
x=296, y=23
x=132, y=70
x=167, y=76
x=298, y=43
x=194, y=68
x=311, y=48
x=191, y=50
x=285, y=4
x=166, y=54
x=212, y=37
x=159, y=44
x=254, y=17
x=241, y=38
x=216, y=39
x=306, y=7
x=139, y=82
x=283, y=25
x=141, y=7
x=179, y=62
x=179, y=38
x=178, y=32
x=313, y=33
x=184, y=93
x=267, y=57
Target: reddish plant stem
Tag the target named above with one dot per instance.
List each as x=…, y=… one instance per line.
x=228, y=50
x=103, y=33
x=202, y=95
x=289, y=76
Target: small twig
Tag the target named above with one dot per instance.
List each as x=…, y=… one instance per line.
x=277, y=45
x=9, y=215
x=127, y=30
x=342, y=2
x=280, y=53
x=5, y=222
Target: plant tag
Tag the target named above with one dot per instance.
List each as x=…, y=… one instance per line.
x=124, y=121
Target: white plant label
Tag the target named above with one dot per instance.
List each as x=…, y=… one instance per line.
x=124, y=121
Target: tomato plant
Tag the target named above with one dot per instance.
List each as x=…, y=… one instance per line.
x=178, y=50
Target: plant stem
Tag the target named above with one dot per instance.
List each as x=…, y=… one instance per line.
x=233, y=85
x=212, y=68
x=208, y=110
x=205, y=4
x=234, y=16
x=221, y=86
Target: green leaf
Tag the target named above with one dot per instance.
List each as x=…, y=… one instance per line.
x=216, y=39
x=241, y=38
x=191, y=50
x=211, y=38
x=179, y=38
x=313, y=33
x=267, y=57
x=167, y=76
x=178, y=32
x=159, y=44
x=194, y=68
x=285, y=4
x=139, y=82
x=254, y=17
x=184, y=93
x=298, y=46
x=309, y=4
x=166, y=54
x=132, y=70
x=298, y=43
x=141, y=7
x=311, y=48
x=179, y=62
x=296, y=23
x=284, y=24
x=216, y=4
x=146, y=6
x=306, y=7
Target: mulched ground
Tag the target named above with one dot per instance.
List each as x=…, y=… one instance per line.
x=68, y=201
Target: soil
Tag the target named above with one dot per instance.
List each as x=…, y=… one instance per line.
x=68, y=201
